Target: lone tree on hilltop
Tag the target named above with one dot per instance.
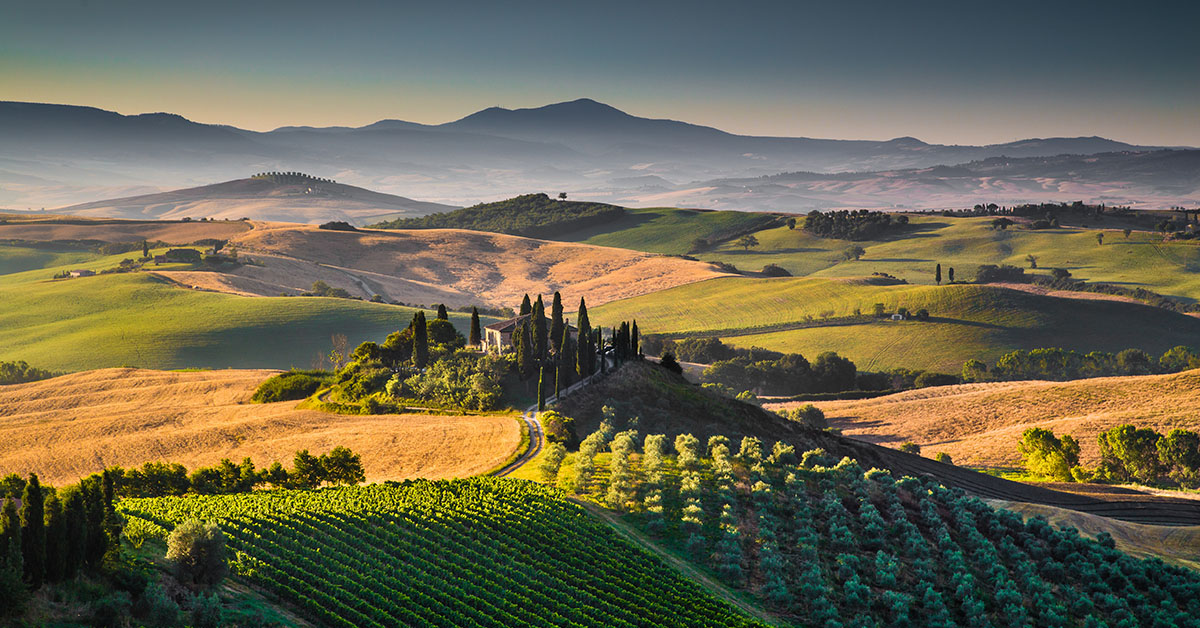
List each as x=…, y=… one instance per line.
x=937, y=274
x=747, y=241
x=562, y=196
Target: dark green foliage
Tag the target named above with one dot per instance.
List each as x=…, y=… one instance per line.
x=1061, y=364
x=531, y=215
x=207, y=611
x=337, y=225
x=523, y=346
x=420, y=340
x=937, y=274
x=367, y=352
x=556, y=322
x=832, y=373
x=1046, y=455
x=853, y=225
x=774, y=270
x=929, y=378
x=291, y=386
x=669, y=362
x=541, y=330
x=586, y=355
x=342, y=466
x=56, y=539
x=1059, y=281
x=225, y=478
x=808, y=415
x=97, y=540
x=33, y=532
x=1130, y=453
x=322, y=289
x=910, y=448
x=991, y=273
x=75, y=515
x=196, y=552
x=12, y=486
x=19, y=372
x=442, y=314
x=13, y=591
x=397, y=348
x=440, y=331
x=476, y=338
x=526, y=306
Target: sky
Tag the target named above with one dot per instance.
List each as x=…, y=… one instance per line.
x=961, y=72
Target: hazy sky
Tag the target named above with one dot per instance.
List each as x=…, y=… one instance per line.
x=948, y=72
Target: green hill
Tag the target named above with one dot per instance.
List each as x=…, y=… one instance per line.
x=967, y=321
x=137, y=319
x=669, y=231
x=477, y=552
x=531, y=215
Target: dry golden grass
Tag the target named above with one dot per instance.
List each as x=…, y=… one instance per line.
x=44, y=229
x=980, y=424
x=449, y=266
x=74, y=425
x=1173, y=544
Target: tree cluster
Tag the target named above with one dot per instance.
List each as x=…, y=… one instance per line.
x=1062, y=364
x=856, y=225
x=773, y=373
x=54, y=534
x=19, y=372
x=530, y=215
x=1128, y=453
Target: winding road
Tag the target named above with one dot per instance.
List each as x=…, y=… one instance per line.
x=535, y=443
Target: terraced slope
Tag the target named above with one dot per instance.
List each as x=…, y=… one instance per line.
x=70, y=426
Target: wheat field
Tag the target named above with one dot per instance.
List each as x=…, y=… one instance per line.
x=70, y=426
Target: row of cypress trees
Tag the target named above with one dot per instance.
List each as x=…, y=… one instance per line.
x=52, y=535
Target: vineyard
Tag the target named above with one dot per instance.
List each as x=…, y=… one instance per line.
x=475, y=552
x=834, y=546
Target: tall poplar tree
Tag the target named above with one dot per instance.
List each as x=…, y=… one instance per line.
x=556, y=322
x=476, y=332
x=33, y=532
x=420, y=340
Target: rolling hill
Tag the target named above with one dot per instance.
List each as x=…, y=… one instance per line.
x=967, y=321
x=296, y=199
x=980, y=424
x=74, y=425
x=56, y=155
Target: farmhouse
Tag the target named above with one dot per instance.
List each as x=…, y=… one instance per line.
x=497, y=337
x=82, y=273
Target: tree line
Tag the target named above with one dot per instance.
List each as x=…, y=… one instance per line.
x=1128, y=453
x=856, y=225
x=530, y=215
x=1058, y=364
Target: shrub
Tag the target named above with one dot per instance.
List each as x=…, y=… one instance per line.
x=207, y=611
x=290, y=386
x=669, y=362
x=775, y=270
x=943, y=458
x=928, y=378
x=1047, y=455
x=910, y=448
x=337, y=225
x=808, y=415
x=991, y=273
x=196, y=552
x=558, y=428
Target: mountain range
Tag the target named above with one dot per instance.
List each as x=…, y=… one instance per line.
x=58, y=155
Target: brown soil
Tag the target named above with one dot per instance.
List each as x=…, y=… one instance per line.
x=70, y=426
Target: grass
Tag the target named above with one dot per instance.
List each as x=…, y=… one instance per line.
x=665, y=230
x=137, y=319
x=968, y=321
x=18, y=259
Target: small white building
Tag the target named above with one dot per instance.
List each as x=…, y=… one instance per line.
x=83, y=273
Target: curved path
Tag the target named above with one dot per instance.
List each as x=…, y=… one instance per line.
x=535, y=443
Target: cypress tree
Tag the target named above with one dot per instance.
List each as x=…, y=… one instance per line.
x=565, y=361
x=541, y=335
x=951, y=275
x=583, y=365
x=75, y=515
x=634, y=351
x=541, y=392
x=524, y=348
x=11, y=571
x=600, y=349
x=33, y=532
x=145, y=249
x=556, y=322
x=476, y=331
x=56, y=540
x=442, y=313
x=97, y=541
x=112, y=521
x=937, y=274
x=420, y=340
x=526, y=308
